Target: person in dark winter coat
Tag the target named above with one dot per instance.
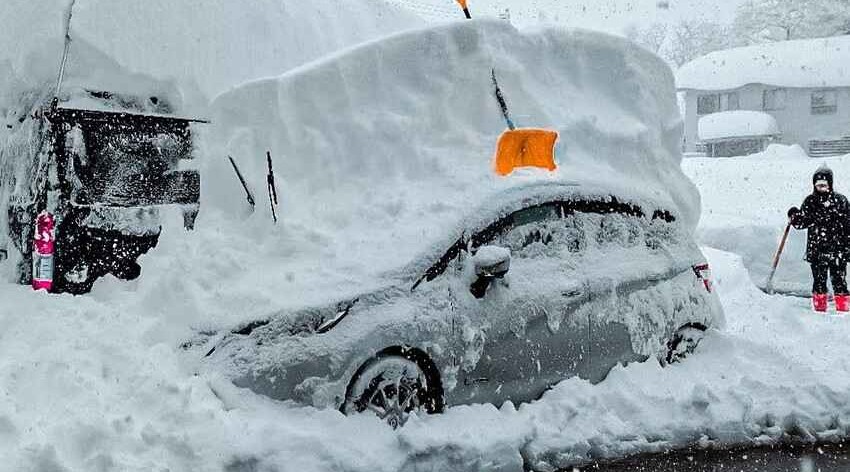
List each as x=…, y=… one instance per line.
x=826, y=215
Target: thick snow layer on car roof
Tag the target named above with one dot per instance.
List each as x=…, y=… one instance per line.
x=821, y=62
x=210, y=45
x=381, y=151
x=737, y=124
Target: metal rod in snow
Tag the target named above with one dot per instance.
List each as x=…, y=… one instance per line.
x=68, y=14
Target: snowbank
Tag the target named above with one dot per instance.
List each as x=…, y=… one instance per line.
x=745, y=203
x=821, y=62
x=207, y=45
x=737, y=124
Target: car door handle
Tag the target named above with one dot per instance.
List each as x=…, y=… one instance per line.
x=479, y=380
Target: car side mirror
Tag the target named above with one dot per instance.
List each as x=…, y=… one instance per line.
x=490, y=262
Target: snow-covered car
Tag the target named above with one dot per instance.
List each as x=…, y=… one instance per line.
x=404, y=273
x=100, y=163
x=544, y=289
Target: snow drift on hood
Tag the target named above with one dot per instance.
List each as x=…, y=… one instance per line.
x=382, y=150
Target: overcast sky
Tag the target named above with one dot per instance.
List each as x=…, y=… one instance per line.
x=607, y=15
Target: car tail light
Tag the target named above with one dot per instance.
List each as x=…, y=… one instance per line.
x=703, y=272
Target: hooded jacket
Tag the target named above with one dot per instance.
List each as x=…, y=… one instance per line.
x=826, y=216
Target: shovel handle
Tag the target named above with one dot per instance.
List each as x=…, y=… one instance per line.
x=781, y=246
x=465, y=8
x=769, y=284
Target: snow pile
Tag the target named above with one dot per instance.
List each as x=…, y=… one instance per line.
x=209, y=45
x=821, y=62
x=745, y=203
x=737, y=124
x=783, y=151
x=399, y=158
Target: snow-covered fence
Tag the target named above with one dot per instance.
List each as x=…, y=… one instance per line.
x=829, y=147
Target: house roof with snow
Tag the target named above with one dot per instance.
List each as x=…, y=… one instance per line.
x=737, y=124
x=821, y=62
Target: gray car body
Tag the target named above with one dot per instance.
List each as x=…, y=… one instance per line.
x=522, y=337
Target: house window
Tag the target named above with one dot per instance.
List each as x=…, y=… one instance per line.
x=715, y=102
x=729, y=101
x=824, y=102
x=707, y=104
x=773, y=99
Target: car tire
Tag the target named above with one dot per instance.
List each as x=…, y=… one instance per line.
x=683, y=343
x=392, y=385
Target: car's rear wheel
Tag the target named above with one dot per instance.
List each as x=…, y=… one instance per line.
x=683, y=343
x=392, y=386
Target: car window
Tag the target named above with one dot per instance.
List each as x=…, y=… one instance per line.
x=557, y=229
x=527, y=232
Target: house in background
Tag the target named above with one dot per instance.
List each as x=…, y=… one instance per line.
x=803, y=84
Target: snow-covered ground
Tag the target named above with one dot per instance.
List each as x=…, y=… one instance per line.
x=103, y=386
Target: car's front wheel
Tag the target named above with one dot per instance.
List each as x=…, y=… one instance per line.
x=392, y=386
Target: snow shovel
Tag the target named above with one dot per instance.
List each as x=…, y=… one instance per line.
x=769, y=284
x=522, y=147
x=462, y=4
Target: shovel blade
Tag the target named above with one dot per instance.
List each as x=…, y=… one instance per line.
x=525, y=147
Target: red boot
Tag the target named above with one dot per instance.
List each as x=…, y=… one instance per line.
x=842, y=303
x=819, y=302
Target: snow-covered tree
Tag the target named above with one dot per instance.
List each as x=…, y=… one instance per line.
x=652, y=37
x=759, y=21
x=682, y=42
x=693, y=38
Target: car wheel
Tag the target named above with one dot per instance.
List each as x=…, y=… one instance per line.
x=683, y=343
x=392, y=387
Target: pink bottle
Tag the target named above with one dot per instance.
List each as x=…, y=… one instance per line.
x=42, y=257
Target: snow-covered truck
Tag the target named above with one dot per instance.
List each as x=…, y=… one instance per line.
x=101, y=163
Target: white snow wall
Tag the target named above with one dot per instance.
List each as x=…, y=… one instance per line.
x=214, y=44
x=412, y=119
